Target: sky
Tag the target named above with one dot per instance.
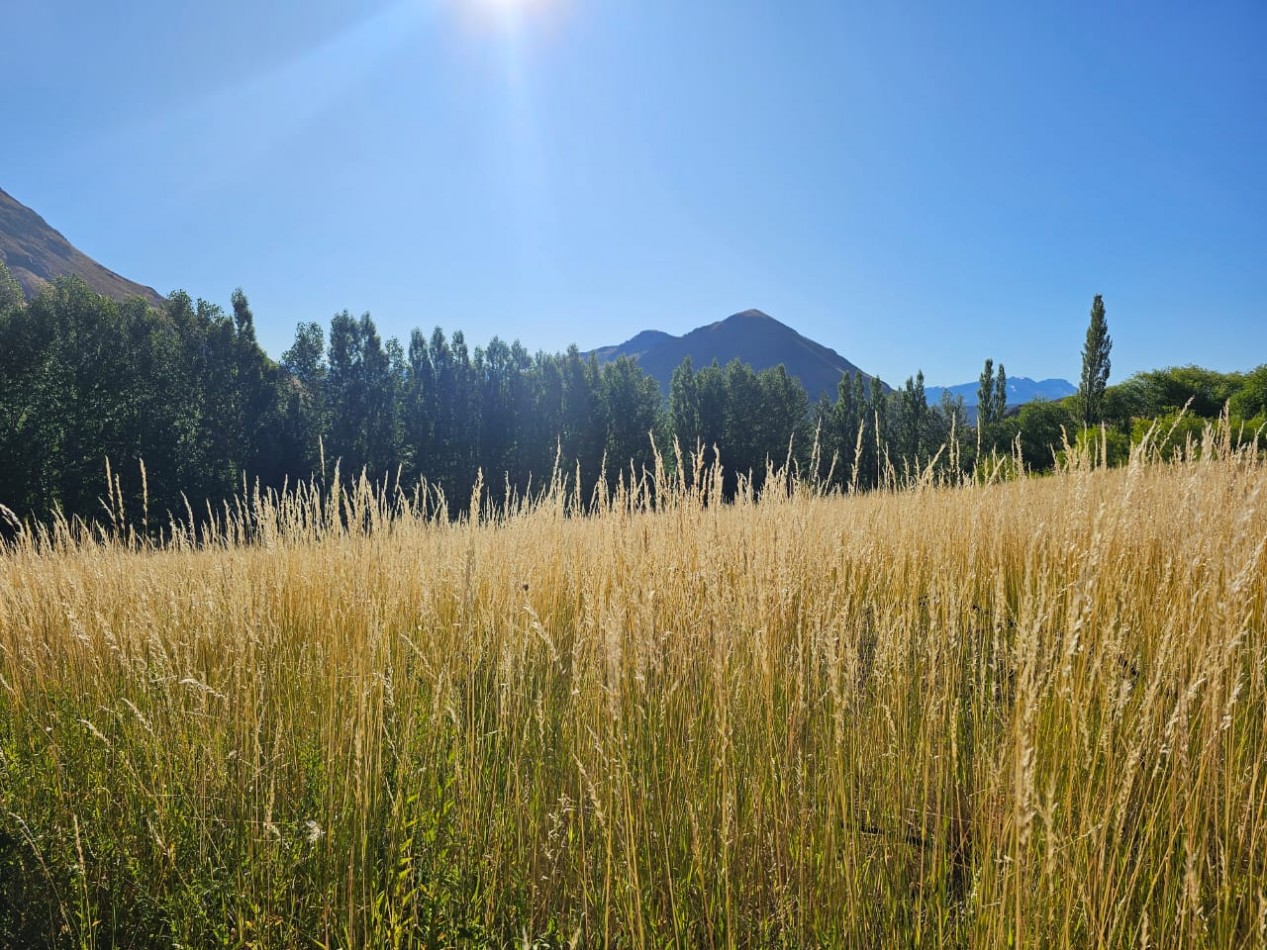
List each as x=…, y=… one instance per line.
x=916, y=185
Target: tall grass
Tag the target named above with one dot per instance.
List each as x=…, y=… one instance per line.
x=1027, y=712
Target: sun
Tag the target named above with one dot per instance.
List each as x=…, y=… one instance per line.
x=522, y=22
x=507, y=6
x=514, y=15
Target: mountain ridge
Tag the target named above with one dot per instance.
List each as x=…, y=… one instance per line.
x=1020, y=390
x=758, y=339
x=37, y=254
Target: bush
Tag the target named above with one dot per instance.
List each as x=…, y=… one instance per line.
x=1105, y=445
x=1043, y=429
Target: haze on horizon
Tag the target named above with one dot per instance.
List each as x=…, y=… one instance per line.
x=915, y=188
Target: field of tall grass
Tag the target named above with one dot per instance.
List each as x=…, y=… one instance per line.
x=1022, y=713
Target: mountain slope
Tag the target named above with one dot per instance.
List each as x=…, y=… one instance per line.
x=35, y=254
x=751, y=337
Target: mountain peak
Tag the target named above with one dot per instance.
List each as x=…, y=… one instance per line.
x=751, y=336
x=36, y=254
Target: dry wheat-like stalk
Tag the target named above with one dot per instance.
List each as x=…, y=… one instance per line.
x=1025, y=712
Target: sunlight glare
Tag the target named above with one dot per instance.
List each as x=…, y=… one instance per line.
x=506, y=6
x=540, y=17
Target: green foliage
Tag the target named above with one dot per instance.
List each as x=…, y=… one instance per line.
x=1202, y=393
x=1251, y=398
x=1000, y=394
x=188, y=410
x=1123, y=403
x=992, y=434
x=303, y=410
x=1170, y=433
x=1205, y=392
x=684, y=410
x=630, y=406
x=1104, y=445
x=751, y=419
x=1185, y=434
x=11, y=295
x=1043, y=428
x=986, y=414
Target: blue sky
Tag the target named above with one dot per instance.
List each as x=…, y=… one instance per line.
x=915, y=185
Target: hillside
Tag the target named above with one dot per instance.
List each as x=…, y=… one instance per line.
x=752, y=337
x=35, y=254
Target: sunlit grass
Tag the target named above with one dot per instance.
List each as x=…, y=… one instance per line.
x=1027, y=713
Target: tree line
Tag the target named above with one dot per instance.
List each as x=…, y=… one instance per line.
x=188, y=410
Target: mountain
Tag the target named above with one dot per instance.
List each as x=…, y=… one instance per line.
x=1020, y=390
x=35, y=254
x=751, y=337
x=636, y=347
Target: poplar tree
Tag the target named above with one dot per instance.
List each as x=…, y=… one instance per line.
x=985, y=395
x=1095, y=365
x=684, y=406
x=1000, y=395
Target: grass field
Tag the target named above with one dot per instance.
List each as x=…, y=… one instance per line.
x=1029, y=713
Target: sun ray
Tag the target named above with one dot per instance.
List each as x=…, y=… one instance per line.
x=282, y=101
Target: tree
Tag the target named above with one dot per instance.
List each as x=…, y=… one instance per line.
x=912, y=406
x=631, y=409
x=464, y=391
x=258, y=403
x=741, y=450
x=711, y=391
x=780, y=419
x=1095, y=365
x=684, y=406
x=495, y=369
x=209, y=444
x=10, y=290
x=1205, y=392
x=541, y=433
x=985, y=395
x=991, y=396
x=303, y=400
x=365, y=380
x=875, y=446
x=843, y=421
x=1044, y=427
x=1250, y=401
x=418, y=413
x=583, y=435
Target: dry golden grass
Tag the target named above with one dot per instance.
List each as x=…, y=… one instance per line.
x=1029, y=714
